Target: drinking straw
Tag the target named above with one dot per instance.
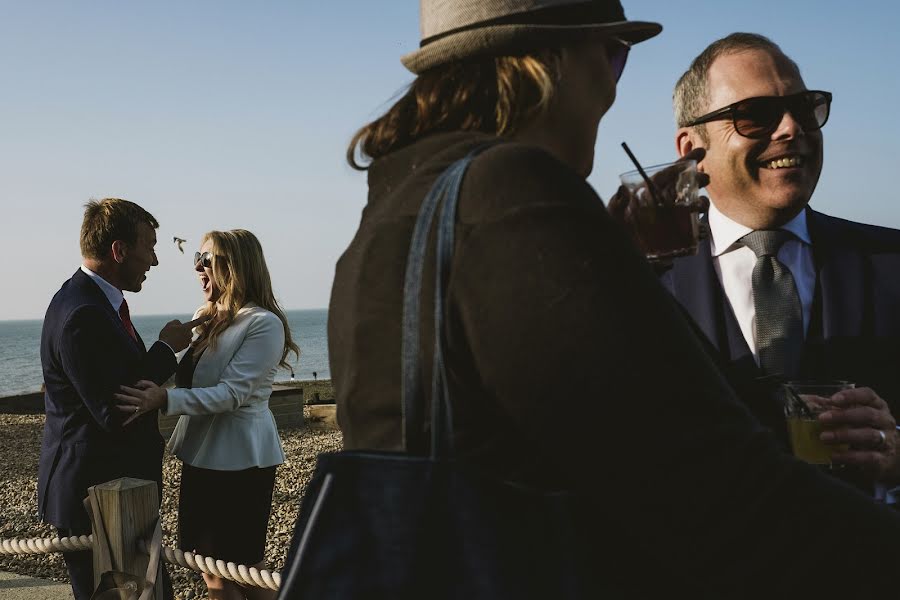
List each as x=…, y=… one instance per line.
x=798, y=403
x=640, y=169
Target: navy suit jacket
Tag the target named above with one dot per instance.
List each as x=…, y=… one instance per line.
x=854, y=331
x=86, y=354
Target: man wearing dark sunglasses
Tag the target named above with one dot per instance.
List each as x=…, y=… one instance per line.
x=781, y=291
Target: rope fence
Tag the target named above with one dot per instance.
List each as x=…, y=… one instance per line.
x=242, y=574
x=46, y=545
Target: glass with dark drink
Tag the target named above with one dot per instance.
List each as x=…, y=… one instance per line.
x=663, y=214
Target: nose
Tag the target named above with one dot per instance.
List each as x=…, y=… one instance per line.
x=155, y=260
x=788, y=128
x=198, y=267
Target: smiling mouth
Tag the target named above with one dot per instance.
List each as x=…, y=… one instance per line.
x=783, y=162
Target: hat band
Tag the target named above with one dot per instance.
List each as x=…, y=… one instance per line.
x=582, y=13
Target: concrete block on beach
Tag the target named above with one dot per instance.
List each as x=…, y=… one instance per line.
x=23, y=404
x=322, y=416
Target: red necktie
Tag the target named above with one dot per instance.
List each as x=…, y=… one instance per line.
x=126, y=319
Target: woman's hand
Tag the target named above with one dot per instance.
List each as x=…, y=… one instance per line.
x=144, y=397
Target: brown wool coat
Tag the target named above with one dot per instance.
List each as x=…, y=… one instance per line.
x=571, y=366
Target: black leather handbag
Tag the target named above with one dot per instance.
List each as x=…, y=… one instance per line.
x=379, y=525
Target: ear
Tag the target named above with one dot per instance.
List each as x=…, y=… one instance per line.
x=119, y=251
x=685, y=141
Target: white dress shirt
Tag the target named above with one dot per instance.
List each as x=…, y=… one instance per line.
x=734, y=264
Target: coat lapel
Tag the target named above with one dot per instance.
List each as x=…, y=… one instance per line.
x=841, y=273
x=692, y=281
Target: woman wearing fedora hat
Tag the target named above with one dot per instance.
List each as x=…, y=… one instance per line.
x=568, y=364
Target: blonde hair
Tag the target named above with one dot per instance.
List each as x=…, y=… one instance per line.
x=241, y=274
x=496, y=95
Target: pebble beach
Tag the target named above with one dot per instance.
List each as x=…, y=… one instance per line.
x=20, y=439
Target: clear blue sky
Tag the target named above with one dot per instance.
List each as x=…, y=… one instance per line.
x=222, y=114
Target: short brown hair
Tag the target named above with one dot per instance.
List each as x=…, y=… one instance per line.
x=108, y=220
x=493, y=95
x=691, y=96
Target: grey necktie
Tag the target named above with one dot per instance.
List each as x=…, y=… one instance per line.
x=779, y=317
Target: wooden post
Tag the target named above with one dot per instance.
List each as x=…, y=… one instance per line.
x=129, y=508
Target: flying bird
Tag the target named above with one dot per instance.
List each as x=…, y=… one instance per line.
x=178, y=242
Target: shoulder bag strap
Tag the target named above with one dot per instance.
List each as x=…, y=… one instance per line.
x=444, y=193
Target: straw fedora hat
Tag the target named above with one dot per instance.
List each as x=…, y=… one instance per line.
x=455, y=30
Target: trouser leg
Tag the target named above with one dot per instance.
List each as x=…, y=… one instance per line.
x=168, y=592
x=80, y=566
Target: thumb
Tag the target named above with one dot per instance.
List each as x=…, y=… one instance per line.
x=196, y=322
x=695, y=154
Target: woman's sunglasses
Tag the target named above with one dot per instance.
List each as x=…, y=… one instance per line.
x=758, y=117
x=617, y=54
x=204, y=259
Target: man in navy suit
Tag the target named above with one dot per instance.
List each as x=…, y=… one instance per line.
x=832, y=306
x=89, y=348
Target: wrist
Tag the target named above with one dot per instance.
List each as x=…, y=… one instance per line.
x=162, y=400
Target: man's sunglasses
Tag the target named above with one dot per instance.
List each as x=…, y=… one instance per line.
x=617, y=55
x=204, y=259
x=758, y=117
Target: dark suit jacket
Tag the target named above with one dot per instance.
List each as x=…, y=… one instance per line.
x=854, y=331
x=86, y=355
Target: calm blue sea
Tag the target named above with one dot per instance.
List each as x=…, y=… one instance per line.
x=20, y=348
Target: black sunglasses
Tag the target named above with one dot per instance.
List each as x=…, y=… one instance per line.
x=617, y=54
x=758, y=117
x=204, y=259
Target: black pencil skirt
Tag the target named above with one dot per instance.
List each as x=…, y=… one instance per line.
x=224, y=514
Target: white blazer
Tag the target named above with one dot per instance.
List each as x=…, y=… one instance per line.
x=226, y=423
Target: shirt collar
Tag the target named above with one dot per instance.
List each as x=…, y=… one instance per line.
x=113, y=294
x=725, y=232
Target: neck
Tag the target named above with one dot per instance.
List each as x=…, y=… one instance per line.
x=104, y=269
x=547, y=135
x=756, y=219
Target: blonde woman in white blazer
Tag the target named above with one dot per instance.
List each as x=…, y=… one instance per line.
x=226, y=437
